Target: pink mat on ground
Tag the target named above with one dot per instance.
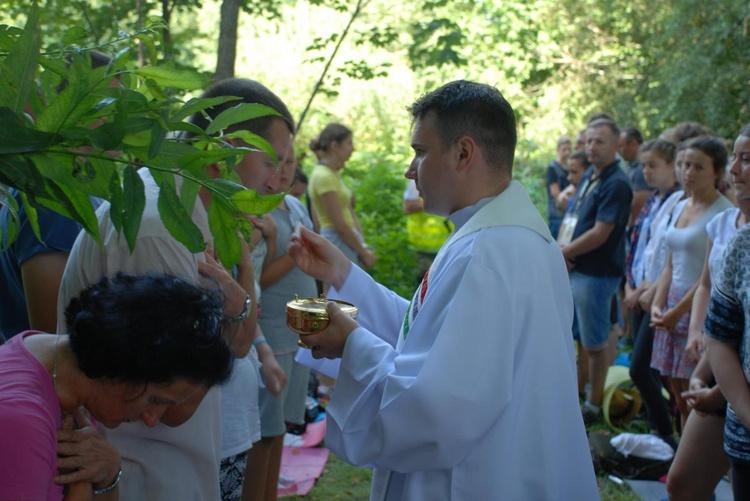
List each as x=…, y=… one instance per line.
x=313, y=436
x=304, y=465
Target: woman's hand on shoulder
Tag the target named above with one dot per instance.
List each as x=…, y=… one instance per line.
x=83, y=454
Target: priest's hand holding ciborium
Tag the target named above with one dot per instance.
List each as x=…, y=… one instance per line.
x=323, y=325
x=320, y=259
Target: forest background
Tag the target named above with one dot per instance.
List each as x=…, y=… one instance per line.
x=361, y=62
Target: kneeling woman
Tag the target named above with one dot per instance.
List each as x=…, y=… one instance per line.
x=135, y=346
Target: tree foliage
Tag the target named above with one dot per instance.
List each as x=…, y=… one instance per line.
x=557, y=61
x=63, y=144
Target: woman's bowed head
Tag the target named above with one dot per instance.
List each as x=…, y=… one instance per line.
x=135, y=346
x=140, y=344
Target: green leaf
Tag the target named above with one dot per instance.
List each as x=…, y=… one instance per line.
x=157, y=138
x=107, y=136
x=119, y=60
x=20, y=139
x=133, y=204
x=74, y=35
x=224, y=228
x=115, y=201
x=188, y=194
x=196, y=104
x=255, y=142
x=182, y=79
x=249, y=202
x=32, y=216
x=19, y=68
x=177, y=220
x=11, y=206
x=94, y=179
x=238, y=114
x=20, y=172
x=155, y=90
x=199, y=159
x=171, y=155
x=148, y=44
x=187, y=127
x=68, y=107
x=73, y=204
x=224, y=188
x=53, y=64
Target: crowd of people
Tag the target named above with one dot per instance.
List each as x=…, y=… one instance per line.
x=644, y=234
x=170, y=377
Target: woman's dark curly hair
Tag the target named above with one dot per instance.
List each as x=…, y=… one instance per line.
x=152, y=328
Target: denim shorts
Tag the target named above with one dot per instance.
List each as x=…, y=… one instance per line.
x=592, y=297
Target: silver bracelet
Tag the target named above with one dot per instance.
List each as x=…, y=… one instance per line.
x=110, y=487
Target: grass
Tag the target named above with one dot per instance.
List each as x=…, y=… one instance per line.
x=341, y=481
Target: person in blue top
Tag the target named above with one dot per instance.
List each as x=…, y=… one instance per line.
x=596, y=252
x=557, y=181
x=31, y=269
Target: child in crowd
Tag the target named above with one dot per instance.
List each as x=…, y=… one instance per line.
x=657, y=158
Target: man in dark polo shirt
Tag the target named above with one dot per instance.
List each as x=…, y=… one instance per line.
x=596, y=252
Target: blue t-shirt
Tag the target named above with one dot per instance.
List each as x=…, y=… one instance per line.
x=58, y=234
x=608, y=199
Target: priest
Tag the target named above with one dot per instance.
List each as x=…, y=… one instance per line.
x=468, y=391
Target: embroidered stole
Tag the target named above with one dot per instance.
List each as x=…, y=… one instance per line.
x=415, y=304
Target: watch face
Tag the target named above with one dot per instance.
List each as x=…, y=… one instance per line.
x=242, y=316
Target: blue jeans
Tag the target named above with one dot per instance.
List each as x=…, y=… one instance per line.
x=592, y=297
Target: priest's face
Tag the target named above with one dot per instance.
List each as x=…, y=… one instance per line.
x=431, y=168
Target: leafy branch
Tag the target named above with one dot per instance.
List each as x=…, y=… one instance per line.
x=63, y=146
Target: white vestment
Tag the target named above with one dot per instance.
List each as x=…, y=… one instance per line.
x=479, y=402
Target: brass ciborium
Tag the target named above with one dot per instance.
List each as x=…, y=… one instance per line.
x=309, y=316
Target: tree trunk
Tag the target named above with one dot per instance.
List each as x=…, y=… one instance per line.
x=227, y=50
x=166, y=14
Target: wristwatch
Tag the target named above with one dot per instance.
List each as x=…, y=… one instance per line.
x=242, y=316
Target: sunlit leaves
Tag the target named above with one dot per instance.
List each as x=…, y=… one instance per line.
x=18, y=68
x=249, y=202
x=90, y=136
x=237, y=114
x=174, y=215
x=176, y=78
x=225, y=230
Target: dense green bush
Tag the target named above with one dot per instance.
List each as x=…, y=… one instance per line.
x=378, y=183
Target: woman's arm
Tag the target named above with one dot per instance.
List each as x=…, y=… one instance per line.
x=672, y=316
x=335, y=214
x=276, y=270
x=698, y=311
x=727, y=368
x=41, y=276
x=662, y=290
x=554, y=190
